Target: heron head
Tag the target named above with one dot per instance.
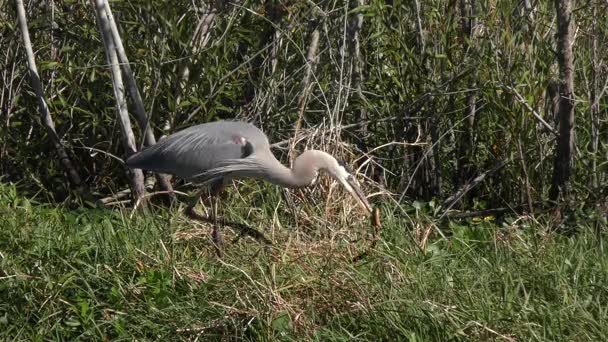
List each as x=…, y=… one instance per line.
x=309, y=163
x=344, y=174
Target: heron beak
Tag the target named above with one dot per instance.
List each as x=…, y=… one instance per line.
x=355, y=190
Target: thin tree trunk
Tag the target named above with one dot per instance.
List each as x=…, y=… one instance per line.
x=199, y=40
x=53, y=41
x=433, y=126
x=140, y=111
x=526, y=178
x=358, y=72
x=552, y=104
x=465, y=169
x=595, y=104
x=311, y=61
x=47, y=120
x=565, y=141
x=128, y=139
x=430, y=175
x=270, y=103
x=357, y=77
x=266, y=100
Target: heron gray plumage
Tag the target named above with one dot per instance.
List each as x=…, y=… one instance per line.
x=217, y=152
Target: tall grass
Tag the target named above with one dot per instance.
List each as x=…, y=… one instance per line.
x=99, y=274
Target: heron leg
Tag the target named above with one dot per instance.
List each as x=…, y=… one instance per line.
x=213, y=191
x=216, y=235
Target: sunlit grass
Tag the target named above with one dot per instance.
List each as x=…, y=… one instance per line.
x=99, y=274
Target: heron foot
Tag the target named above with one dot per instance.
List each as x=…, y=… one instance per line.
x=218, y=241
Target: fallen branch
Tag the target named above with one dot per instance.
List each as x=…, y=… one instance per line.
x=452, y=200
x=487, y=212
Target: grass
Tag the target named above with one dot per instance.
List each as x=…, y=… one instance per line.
x=98, y=274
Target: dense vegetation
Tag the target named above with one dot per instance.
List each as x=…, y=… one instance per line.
x=452, y=111
x=435, y=92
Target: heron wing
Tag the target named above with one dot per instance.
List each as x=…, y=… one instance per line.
x=193, y=151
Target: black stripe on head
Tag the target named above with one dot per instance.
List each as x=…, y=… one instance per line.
x=343, y=163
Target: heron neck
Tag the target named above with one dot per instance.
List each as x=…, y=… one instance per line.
x=305, y=169
x=289, y=179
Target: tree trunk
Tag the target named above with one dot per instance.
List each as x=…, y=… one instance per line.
x=565, y=141
x=275, y=13
x=47, y=120
x=128, y=139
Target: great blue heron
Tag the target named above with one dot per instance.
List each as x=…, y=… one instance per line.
x=216, y=152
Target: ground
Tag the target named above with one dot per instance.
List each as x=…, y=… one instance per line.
x=111, y=274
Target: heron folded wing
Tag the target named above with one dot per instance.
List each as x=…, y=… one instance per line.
x=250, y=167
x=188, y=163
x=200, y=148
